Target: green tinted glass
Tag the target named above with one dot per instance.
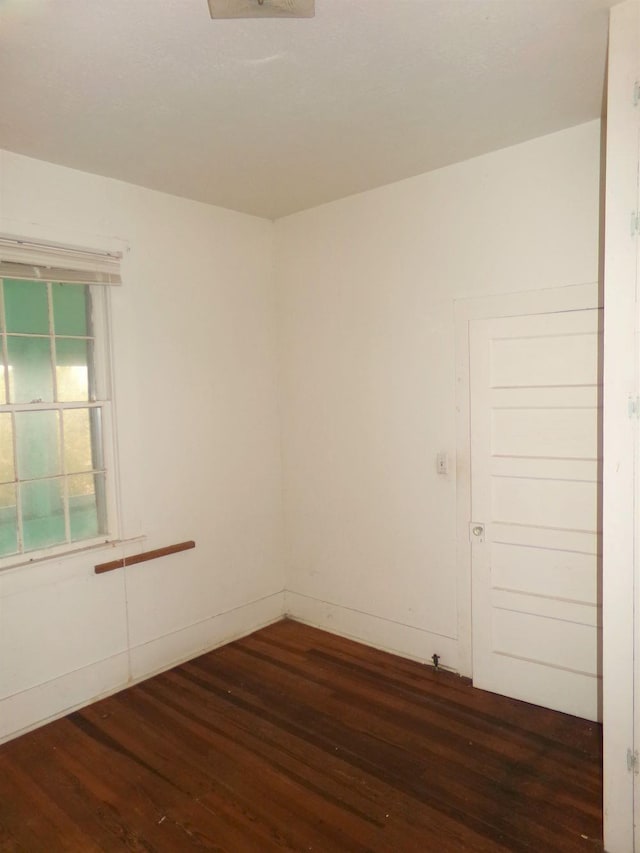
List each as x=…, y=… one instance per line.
x=7, y=469
x=26, y=306
x=84, y=497
x=47, y=331
x=42, y=514
x=38, y=443
x=3, y=387
x=72, y=370
x=78, y=455
x=70, y=309
x=8, y=520
x=30, y=376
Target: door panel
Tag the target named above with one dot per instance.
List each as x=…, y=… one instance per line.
x=544, y=360
x=551, y=432
x=544, y=572
x=535, y=489
x=543, y=503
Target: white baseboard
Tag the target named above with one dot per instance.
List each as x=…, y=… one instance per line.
x=172, y=649
x=43, y=703
x=46, y=702
x=38, y=705
x=404, y=640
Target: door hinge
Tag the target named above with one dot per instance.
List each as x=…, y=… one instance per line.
x=636, y=93
x=635, y=223
x=633, y=765
x=633, y=407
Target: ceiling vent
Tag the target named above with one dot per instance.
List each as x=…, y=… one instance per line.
x=262, y=8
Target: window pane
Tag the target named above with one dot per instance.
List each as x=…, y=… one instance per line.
x=3, y=387
x=81, y=427
x=26, y=306
x=42, y=514
x=86, y=506
x=95, y=417
x=38, y=444
x=30, y=376
x=7, y=472
x=72, y=370
x=70, y=309
x=8, y=521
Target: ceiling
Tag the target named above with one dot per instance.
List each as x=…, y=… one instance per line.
x=276, y=115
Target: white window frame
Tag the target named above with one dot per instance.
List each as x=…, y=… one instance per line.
x=22, y=259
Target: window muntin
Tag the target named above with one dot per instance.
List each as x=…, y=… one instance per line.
x=53, y=410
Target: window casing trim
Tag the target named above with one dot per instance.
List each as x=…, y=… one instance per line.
x=30, y=260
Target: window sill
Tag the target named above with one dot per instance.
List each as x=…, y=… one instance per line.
x=93, y=546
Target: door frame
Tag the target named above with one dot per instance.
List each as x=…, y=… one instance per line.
x=621, y=494
x=544, y=301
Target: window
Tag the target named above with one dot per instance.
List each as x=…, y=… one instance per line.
x=54, y=409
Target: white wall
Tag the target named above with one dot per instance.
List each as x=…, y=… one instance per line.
x=366, y=289
x=198, y=431
x=364, y=314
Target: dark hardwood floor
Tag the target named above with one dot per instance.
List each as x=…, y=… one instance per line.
x=293, y=739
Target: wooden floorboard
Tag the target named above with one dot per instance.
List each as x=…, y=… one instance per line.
x=294, y=739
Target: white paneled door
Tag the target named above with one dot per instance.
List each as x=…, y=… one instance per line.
x=535, y=486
